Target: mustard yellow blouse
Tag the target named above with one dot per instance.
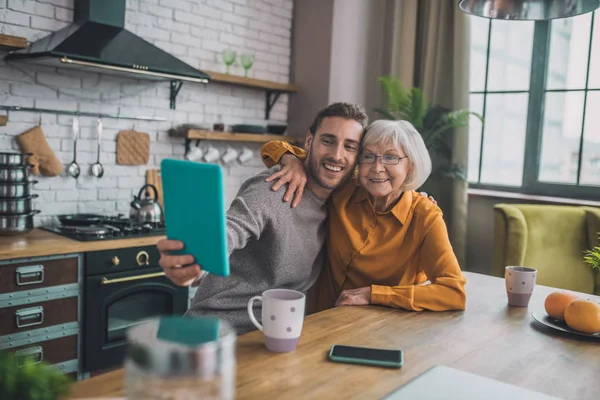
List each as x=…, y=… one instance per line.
x=394, y=252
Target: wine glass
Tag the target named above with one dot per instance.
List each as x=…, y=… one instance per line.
x=247, y=61
x=228, y=58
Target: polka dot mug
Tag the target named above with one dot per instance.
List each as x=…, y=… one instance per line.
x=282, y=318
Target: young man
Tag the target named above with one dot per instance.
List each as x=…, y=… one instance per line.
x=272, y=245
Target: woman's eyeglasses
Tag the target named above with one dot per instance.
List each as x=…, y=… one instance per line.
x=388, y=159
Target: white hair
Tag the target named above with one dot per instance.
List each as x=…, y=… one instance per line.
x=404, y=135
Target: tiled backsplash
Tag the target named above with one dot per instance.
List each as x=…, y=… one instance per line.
x=196, y=32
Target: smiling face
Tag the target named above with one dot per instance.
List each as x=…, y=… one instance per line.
x=333, y=151
x=383, y=180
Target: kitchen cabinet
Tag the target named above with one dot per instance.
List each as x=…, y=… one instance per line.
x=40, y=310
x=72, y=309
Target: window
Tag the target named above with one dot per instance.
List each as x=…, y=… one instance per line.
x=537, y=85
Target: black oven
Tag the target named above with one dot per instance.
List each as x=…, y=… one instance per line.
x=122, y=288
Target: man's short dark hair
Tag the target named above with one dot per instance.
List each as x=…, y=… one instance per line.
x=343, y=110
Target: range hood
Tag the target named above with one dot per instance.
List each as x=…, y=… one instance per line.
x=97, y=40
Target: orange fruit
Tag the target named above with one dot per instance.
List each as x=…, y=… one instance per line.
x=557, y=302
x=583, y=316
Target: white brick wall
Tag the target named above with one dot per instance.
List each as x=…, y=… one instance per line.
x=194, y=31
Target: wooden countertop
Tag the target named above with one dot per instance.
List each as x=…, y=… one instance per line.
x=489, y=339
x=39, y=242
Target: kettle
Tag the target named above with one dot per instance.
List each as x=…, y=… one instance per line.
x=147, y=209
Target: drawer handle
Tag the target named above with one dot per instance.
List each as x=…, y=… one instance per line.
x=33, y=271
x=32, y=355
x=106, y=281
x=28, y=314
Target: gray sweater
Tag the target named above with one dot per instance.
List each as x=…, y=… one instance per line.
x=271, y=245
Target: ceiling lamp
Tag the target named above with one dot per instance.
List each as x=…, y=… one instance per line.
x=527, y=10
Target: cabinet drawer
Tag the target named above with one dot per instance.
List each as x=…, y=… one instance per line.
x=37, y=315
x=52, y=351
x=38, y=274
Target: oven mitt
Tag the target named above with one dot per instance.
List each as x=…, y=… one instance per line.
x=43, y=160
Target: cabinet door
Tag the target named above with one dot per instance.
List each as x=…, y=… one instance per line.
x=32, y=275
x=38, y=315
x=51, y=351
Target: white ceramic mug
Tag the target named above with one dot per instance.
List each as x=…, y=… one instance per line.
x=245, y=156
x=195, y=154
x=229, y=156
x=282, y=318
x=520, y=282
x=211, y=155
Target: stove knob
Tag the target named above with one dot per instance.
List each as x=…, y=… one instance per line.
x=115, y=261
x=142, y=258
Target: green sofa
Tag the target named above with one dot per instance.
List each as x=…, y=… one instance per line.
x=549, y=238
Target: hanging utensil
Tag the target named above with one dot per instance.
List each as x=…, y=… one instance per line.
x=74, y=169
x=97, y=168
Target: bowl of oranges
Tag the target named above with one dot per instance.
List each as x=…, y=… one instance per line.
x=568, y=312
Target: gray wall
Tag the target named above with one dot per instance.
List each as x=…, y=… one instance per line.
x=338, y=56
x=311, y=41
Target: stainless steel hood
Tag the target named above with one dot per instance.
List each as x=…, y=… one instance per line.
x=97, y=40
x=533, y=10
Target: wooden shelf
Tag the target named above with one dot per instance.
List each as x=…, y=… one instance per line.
x=12, y=42
x=238, y=137
x=253, y=83
x=272, y=89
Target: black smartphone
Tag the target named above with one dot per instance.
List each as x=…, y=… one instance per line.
x=368, y=356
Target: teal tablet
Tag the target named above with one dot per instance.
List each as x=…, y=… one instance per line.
x=195, y=212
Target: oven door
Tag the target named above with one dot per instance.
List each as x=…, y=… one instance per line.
x=117, y=301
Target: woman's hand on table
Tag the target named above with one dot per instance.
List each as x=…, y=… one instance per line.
x=292, y=172
x=355, y=297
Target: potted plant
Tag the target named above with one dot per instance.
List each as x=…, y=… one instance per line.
x=434, y=123
x=30, y=381
x=592, y=257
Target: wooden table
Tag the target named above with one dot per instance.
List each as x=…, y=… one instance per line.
x=488, y=339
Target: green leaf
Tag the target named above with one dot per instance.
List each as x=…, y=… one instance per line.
x=395, y=92
x=31, y=381
x=418, y=108
x=432, y=122
x=592, y=257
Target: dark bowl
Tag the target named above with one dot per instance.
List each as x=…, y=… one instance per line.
x=243, y=128
x=276, y=129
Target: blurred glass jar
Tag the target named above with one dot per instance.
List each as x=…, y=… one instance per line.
x=180, y=358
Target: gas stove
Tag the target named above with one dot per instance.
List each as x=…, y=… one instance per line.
x=91, y=227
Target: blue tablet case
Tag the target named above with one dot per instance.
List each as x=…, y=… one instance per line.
x=187, y=330
x=195, y=212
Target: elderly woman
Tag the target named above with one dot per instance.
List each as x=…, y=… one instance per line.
x=387, y=245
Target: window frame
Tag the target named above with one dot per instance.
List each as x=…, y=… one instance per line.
x=535, y=119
